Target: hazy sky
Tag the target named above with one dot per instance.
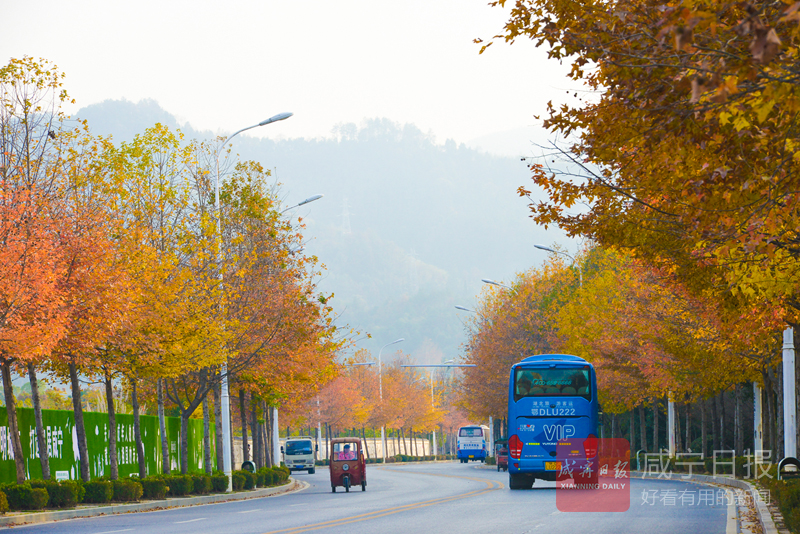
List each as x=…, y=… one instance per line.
x=225, y=65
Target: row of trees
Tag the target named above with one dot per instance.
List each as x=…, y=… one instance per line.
x=648, y=341
x=686, y=161
x=353, y=401
x=112, y=269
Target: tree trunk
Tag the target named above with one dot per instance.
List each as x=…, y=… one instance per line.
x=166, y=464
x=113, y=465
x=688, y=442
x=703, y=427
x=777, y=381
x=243, y=416
x=184, y=441
x=41, y=439
x=769, y=418
x=656, y=440
x=631, y=428
x=13, y=428
x=678, y=447
x=722, y=437
x=206, y=438
x=642, y=429
x=268, y=433
x=80, y=428
x=366, y=445
x=256, y=434
x=218, y=425
x=739, y=445
x=137, y=431
x=715, y=423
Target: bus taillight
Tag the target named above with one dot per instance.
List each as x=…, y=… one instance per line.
x=515, y=446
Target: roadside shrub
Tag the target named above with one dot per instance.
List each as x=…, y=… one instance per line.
x=39, y=498
x=237, y=480
x=250, y=480
x=3, y=503
x=127, y=490
x=491, y=460
x=201, y=484
x=98, y=491
x=243, y=480
x=25, y=497
x=179, y=485
x=280, y=475
x=267, y=477
x=64, y=494
x=153, y=488
x=219, y=482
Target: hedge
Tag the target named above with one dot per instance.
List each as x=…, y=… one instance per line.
x=201, y=484
x=64, y=494
x=238, y=478
x=219, y=482
x=179, y=485
x=25, y=497
x=98, y=491
x=153, y=488
x=3, y=503
x=127, y=490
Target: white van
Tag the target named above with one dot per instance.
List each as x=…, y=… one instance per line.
x=298, y=454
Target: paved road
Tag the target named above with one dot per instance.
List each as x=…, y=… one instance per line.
x=443, y=497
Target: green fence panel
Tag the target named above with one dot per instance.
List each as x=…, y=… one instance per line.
x=62, y=444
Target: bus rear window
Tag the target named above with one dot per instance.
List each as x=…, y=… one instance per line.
x=471, y=432
x=552, y=383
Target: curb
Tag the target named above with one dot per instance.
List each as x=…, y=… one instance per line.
x=146, y=506
x=764, y=516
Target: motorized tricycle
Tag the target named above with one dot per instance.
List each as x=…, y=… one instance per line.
x=347, y=465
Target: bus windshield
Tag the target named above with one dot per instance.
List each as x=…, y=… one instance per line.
x=474, y=432
x=552, y=382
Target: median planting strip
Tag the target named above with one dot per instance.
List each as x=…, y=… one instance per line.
x=21, y=518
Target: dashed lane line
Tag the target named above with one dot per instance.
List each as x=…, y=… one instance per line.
x=190, y=520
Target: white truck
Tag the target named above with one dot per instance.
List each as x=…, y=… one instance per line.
x=299, y=454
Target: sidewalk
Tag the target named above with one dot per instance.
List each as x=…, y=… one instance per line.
x=93, y=510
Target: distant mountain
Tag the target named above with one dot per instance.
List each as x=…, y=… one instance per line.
x=407, y=228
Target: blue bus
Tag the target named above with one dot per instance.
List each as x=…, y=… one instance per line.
x=471, y=443
x=551, y=398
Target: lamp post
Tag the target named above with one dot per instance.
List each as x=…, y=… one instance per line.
x=495, y=283
x=380, y=388
x=306, y=201
x=224, y=398
x=575, y=263
x=447, y=364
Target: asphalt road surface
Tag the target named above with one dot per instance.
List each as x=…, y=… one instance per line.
x=434, y=497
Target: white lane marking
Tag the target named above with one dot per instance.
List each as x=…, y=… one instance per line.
x=300, y=504
x=189, y=521
x=113, y=531
x=556, y=512
x=248, y=511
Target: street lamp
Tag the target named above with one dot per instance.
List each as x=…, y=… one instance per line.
x=380, y=387
x=447, y=364
x=495, y=283
x=224, y=399
x=574, y=262
x=306, y=201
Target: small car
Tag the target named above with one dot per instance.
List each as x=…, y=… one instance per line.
x=347, y=465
